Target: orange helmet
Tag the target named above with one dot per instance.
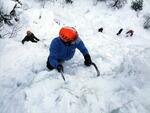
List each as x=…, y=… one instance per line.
x=68, y=34
x=29, y=32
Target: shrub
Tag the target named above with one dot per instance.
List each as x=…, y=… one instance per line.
x=69, y=1
x=137, y=5
x=116, y=4
x=146, y=24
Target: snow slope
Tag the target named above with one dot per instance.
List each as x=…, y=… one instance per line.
x=123, y=87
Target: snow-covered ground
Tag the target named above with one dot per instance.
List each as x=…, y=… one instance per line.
x=123, y=87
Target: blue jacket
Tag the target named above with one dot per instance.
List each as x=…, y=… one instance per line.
x=62, y=52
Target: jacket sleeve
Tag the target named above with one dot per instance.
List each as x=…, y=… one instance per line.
x=80, y=45
x=32, y=38
x=35, y=38
x=53, y=59
x=25, y=39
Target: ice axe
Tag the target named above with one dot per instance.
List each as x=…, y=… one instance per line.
x=96, y=68
x=62, y=74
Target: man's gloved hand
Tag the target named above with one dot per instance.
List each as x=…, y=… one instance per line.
x=88, y=60
x=60, y=68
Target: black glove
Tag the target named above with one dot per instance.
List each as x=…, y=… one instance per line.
x=22, y=42
x=88, y=60
x=60, y=68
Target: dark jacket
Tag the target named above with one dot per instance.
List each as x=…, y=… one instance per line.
x=31, y=38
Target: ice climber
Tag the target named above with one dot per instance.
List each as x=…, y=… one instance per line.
x=30, y=37
x=62, y=48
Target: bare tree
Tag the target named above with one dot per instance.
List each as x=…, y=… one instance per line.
x=8, y=23
x=146, y=24
x=12, y=32
x=6, y=18
x=116, y=4
x=96, y=1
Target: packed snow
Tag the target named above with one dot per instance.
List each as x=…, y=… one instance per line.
x=26, y=85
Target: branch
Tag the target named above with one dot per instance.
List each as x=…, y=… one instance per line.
x=19, y=2
x=115, y=3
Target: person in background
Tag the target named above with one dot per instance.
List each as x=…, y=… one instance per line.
x=129, y=33
x=119, y=32
x=62, y=48
x=100, y=29
x=30, y=37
